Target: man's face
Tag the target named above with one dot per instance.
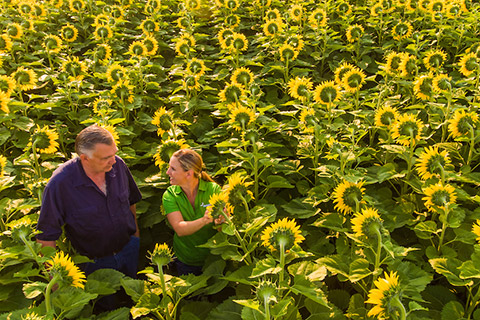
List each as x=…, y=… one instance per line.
x=102, y=158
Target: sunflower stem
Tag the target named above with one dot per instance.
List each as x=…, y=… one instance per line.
x=37, y=168
x=267, y=308
x=401, y=309
x=48, y=291
x=282, y=261
x=378, y=253
x=472, y=144
x=472, y=303
x=255, y=170
x=444, y=227
x=248, y=260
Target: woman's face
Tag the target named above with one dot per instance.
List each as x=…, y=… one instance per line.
x=177, y=175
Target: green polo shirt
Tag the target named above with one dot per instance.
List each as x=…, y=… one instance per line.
x=174, y=199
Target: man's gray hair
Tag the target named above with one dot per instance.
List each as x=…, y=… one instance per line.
x=89, y=137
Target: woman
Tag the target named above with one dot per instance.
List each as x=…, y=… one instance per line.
x=185, y=203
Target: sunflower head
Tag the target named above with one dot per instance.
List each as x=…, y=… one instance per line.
x=5, y=43
x=341, y=70
x=273, y=14
x=423, y=86
x=166, y=149
x=453, y=10
x=288, y=52
x=349, y=196
x=103, y=32
x=232, y=5
x=439, y=197
x=21, y=229
x=354, y=33
x=318, y=18
x=385, y=296
x=282, y=235
x=14, y=30
x=232, y=21
x=184, y=23
x=4, y=101
x=327, y=93
x=386, y=116
x=137, y=49
x=151, y=44
x=367, y=224
x=392, y=65
x=238, y=42
x=476, y=230
x=196, y=67
x=3, y=164
x=241, y=117
x=408, y=65
x=237, y=190
x=266, y=291
x=296, y=41
x=300, y=88
x=462, y=123
x=102, y=53
x=343, y=8
x=296, y=12
x=153, y=6
x=218, y=204
x=182, y=47
x=149, y=26
x=432, y=162
x=273, y=27
x=192, y=5
x=469, y=64
x=308, y=120
x=76, y=5
x=52, y=44
x=67, y=273
x=163, y=119
x=69, y=33
x=26, y=79
x=353, y=80
x=434, y=59
x=161, y=255
x=44, y=140
x=242, y=76
x=232, y=93
x=442, y=83
x=123, y=90
x=407, y=129
x=102, y=106
x=116, y=73
x=191, y=83
x=74, y=68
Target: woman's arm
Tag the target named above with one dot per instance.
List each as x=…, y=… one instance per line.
x=186, y=228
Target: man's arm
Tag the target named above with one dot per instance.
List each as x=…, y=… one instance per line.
x=46, y=243
x=133, y=208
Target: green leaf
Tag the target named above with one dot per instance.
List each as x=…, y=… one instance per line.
x=109, y=277
x=305, y=287
x=227, y=310
x=359, y=269
x=71, y=300
x=469, y=270
x=448, y=267
x=34, y=289
x=424, y=230
x=453, y=310
x=332, y=221
x=313, y=271
x=240, y=275
x=250, y=303
x=265, y=266
x=134, y=288
x=278, y=182
x=118, y=314
x=299, y=208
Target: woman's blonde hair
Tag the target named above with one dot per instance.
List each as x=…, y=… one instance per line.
x=191, y=160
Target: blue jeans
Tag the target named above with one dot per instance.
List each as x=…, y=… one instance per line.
x=184, y=269
x=125, y=261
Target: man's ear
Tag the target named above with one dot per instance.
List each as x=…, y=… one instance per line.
x=83, y=157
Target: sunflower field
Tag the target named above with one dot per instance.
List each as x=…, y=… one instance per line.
x=345, y=135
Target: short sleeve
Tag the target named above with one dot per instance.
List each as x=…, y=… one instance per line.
x=169, y=201
x=50, y=221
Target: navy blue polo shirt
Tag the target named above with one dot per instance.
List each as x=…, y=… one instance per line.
x=96, y=224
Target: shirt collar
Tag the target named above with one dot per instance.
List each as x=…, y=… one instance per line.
x=202, y=186
x=81, y=177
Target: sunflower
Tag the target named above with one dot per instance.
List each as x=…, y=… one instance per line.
x=354, y=33
x=241, y=117
x=341, y=70
x=423, y=86
x=476, y=229
x=296, y=41
x=116, y=11
x=392, y=66
x=123, y=90
x=137, y=49
x=468, y=64
x=5, y=43
x=442, y=83
x=102, y=53
x=296, y=12
x=308, y=120
x=239, y=42
x=287, y=52
x=149, y=26
x=184, y=23
x=282, y=235
x=266, y=291
x=7, y=84
x=103, y=32
x=191, y=83
x=237, y=190
x=225, y=38
x=242, y=76
x=192, y=5
x=263, y=3
x=102, y=105
x=52, y=43
x=384, y=296
x=112, y=131
x=25, y=79
x=232, y=92
x=402, y=30
x=153, y=6
x=4, y=100
x=453, y=10
x=14, y=30
x=348, y=196
x=76, y=5
x=423, y=5
x=182, y=47
x=166, y=149
x=101, y=20
x=431, y=162
x=273, y=14
x=69, y=33
x=44, y=140
x=327, y=93
x=218, y=204
x=196, y=67
x=407, y=129
x=63, y=268
x=439, y=196
x=388, y=5
x=74, y=68
x=408, y=65
x=28, y=25
x=151, y=44
x=386, y=116
x=353, y=80
x=436, y=8
x=462, y=123
x=318, y=18
x=56, y=3
x=115, y=73
x=163, y=119
x=365, y=223
x=344, y=8
x=3, y=164
x=273, y=27
x=434, y=59
x=21, y=228
x=161, y=255
x=376, y=10
x=300, y=88
x=232, y=21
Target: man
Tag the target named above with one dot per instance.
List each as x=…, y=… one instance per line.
x=93, y=197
